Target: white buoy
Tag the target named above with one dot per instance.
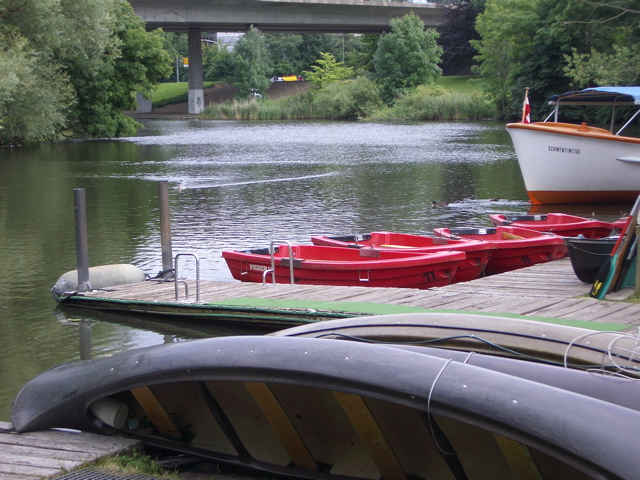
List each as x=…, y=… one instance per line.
x=103, y=276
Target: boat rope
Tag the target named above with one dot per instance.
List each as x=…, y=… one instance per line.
x=432, y=427
x=472, y=337
x=587, y=251
x=614, y=352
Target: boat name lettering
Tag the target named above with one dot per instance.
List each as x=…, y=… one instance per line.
x=258, y=268
x=575, y=151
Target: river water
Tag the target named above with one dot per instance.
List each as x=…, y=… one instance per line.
x=232, y=185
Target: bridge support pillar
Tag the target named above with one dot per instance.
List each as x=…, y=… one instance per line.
x=144, y=104
x=196, y=77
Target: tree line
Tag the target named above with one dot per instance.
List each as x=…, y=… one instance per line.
x=554, y=46
x=71, y=67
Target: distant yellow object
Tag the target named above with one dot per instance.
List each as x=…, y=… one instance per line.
x=290, y=78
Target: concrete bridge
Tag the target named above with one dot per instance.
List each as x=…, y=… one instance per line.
x=326, y=16
x=321, y=16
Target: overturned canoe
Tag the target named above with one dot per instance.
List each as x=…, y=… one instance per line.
x=470, y=268
x=316, y=265
x=518, y=338
x=328, y=409
x=514, y=247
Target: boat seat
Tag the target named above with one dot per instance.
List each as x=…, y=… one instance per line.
x=511, y=236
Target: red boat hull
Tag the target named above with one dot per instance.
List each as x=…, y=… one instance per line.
x=317, y=265
x=514, y=247
x=558, y=223
x=471, y=268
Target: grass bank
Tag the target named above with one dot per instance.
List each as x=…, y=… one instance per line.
x=139, y=463
x=170, y=93
x=451, y=98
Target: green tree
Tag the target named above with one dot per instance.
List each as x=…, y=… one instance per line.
x=35, y=95
x=284, y=52
x=252, y=64
x=548, y=45
x=348, y=100
x=362, y=57
x=176, y=45
x=611, y=57
x=218, y=64
x=313, y=44
x=621, y=67
x=80, y=62
x=506, y=28
x=457, y=30
x=406, y=57
x=291, y=54
x=105, y=86
x=328, y=70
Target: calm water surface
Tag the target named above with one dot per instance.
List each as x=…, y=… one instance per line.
x=233, y=185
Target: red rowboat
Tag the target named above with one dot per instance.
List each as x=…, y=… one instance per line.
x=514, y=247
x=472, y=267
x=317, y=265
x=558, y=223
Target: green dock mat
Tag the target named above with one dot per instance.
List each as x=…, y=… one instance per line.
x=368, y=308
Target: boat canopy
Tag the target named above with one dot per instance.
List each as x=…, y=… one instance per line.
x=599, y=96
x=611, y=96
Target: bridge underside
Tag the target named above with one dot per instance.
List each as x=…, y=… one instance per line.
x=327, y=16
x=321, y=16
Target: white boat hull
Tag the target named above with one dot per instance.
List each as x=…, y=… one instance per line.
x=565, y=163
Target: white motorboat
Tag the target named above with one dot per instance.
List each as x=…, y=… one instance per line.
x=570, y=163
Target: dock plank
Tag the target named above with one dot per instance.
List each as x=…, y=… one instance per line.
x=50, y=453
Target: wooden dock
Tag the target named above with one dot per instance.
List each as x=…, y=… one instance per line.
x=51, y=453
x=549, y=290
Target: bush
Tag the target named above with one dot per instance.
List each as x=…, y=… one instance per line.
x=296, y=107
x=348, y=100
x=434, y=103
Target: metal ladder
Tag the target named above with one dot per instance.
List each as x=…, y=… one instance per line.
x=183, y=281
x=272, y=270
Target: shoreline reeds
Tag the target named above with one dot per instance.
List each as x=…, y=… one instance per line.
x=347, y=102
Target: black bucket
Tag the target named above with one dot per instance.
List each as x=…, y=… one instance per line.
x=587, y=255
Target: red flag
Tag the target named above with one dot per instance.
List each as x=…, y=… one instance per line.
x=526, y=108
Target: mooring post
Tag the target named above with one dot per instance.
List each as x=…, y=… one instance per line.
x=165, y=230
x=85, y=339
x=82, y=245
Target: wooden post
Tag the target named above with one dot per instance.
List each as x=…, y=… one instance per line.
x=85, y=339
x=165, y=230
x=82, y=244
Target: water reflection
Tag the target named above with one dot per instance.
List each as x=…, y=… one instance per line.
x=96, y=336
x=233, y=185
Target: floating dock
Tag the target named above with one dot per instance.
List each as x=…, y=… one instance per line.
x=548, y=291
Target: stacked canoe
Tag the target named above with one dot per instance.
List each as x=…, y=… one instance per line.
x=366, y=399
